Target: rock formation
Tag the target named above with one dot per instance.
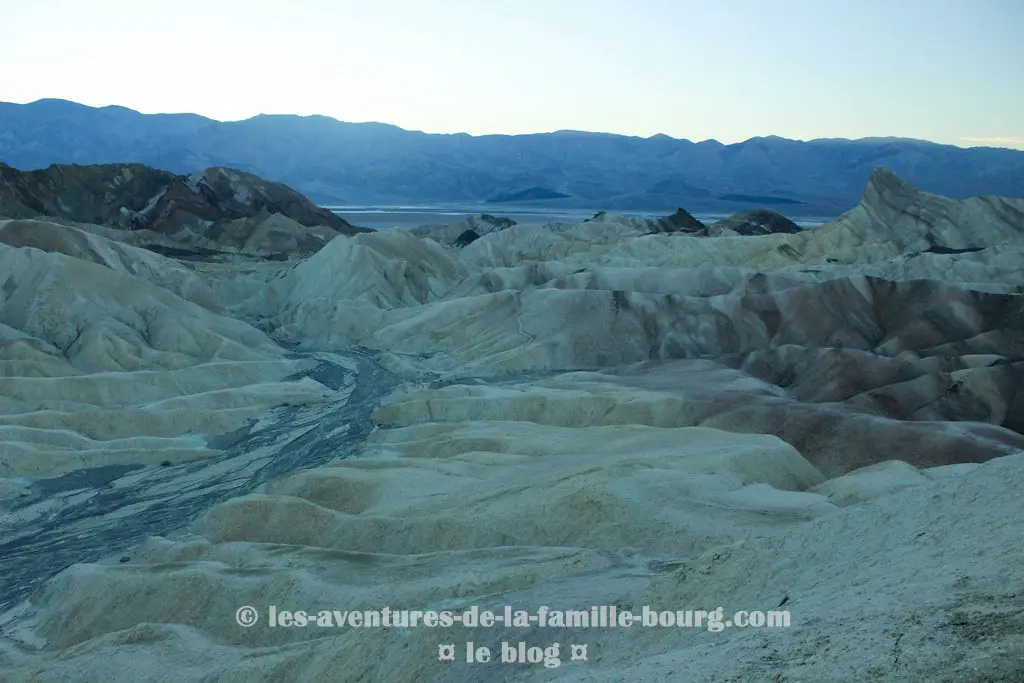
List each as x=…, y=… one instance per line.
x=680, y=221
x=468, y=237
x=755, y=222
x=482, y=224
x=826, y=422
x=218, y=209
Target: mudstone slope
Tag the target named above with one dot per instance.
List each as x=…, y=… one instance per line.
x=619, y=412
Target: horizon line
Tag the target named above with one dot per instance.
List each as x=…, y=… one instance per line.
x=989, y=142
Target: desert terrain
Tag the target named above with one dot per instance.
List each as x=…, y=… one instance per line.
x=219, y=397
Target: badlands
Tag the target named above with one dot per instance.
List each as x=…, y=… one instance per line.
x=243, y=404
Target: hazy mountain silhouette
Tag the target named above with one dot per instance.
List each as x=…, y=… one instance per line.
x=333, y=161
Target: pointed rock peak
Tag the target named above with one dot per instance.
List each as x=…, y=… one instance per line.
x=883, y=181
x=684, y=219
x=680, y=221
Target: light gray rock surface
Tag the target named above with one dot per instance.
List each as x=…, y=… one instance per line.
x=825, y=422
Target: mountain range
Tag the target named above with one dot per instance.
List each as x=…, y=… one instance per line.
x=335, y=162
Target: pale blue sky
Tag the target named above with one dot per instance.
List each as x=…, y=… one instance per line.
x=944, y=70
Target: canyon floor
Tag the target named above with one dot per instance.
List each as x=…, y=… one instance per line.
x=828, y=422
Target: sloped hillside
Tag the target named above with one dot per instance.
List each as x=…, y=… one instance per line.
x=218, y=209
x=620, y=412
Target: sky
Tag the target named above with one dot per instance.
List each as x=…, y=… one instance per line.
x=942, y=70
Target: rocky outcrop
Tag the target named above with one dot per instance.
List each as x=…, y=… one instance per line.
x=219, y=208
x=755, y=222
x=465, y=238
x=892, y=209
x=457, y=233
x=681, y=222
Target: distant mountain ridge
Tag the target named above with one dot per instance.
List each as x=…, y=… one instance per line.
x=373, y=163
